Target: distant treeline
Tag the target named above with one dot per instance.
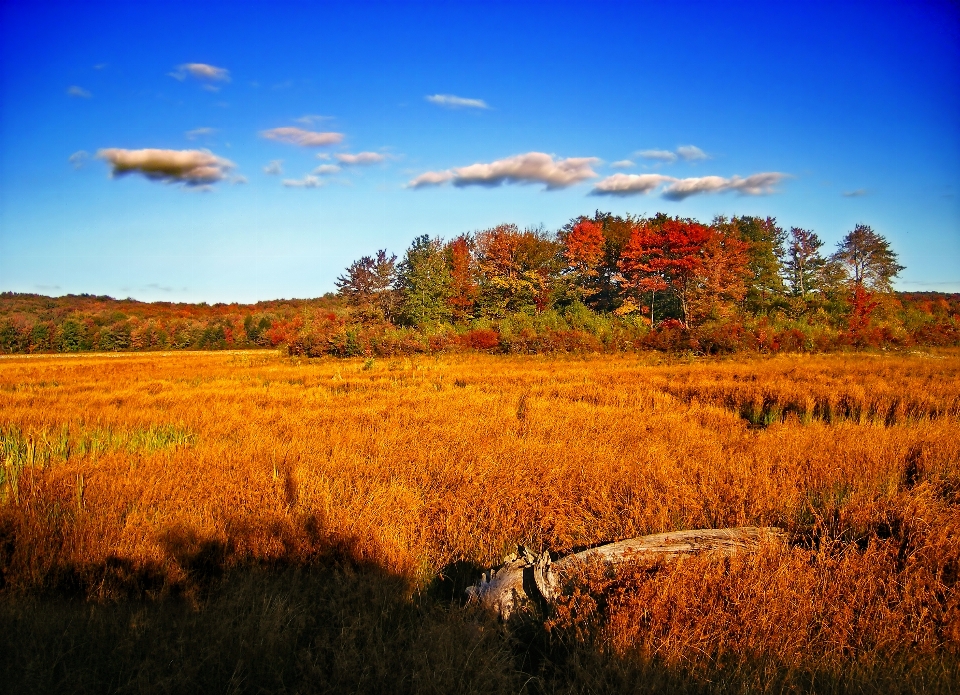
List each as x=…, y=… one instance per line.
x=32, y=323
x=599, y=284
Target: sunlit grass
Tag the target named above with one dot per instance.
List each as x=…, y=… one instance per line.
x=155, y=475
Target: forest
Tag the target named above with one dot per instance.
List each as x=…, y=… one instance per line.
x=601, y=283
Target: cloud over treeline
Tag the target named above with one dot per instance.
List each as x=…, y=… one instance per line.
x=454, y=102
x=532, y=167
x=301, y=137
x=678, y=189
x=190, y=167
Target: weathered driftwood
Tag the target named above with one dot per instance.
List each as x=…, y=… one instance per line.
x=525, y=576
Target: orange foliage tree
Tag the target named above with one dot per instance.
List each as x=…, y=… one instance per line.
x=463, y=286
x=583, y=251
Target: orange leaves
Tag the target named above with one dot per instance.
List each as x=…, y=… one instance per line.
x=699, y=265
x=584, y=246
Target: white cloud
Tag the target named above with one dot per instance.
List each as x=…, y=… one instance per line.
x=678, y=189
x=622, y=164
x=691, y=153
x=431, y=178
x=326, y=170
x=199, y=132
x=454, y=102
x=688, y=153
x=312, y=118
x=239, y=179
x=79, y=92
x=274, y=168
x=360, y=158
x=629, y=184
x=756, y=184
x=201, y=71
x=684, y=188
x=855, y=194
x=658, y=155
x=78, y=159
x=303, y=138
x=190, y=167
x=307, y=181
x=532, y=167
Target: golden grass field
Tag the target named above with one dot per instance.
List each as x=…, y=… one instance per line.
x=249, y=522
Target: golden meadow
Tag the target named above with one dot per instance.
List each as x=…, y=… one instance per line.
x=249, y=522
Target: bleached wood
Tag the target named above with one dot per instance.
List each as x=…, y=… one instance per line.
x=525, y=576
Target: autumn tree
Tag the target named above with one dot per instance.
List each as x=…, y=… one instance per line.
x=367, y=285
x=765, y=289
x=423, y=283
x=867, y=260
x=721, y=281
x=583, y=251
x=463, y=287
x=665, y=255
x=515, y=269
x=643, y=267
x=605, y=285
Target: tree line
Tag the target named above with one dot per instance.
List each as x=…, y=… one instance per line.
x=599, y=283
x=659, y=269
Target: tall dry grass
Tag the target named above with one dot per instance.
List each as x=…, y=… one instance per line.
x=171, y=478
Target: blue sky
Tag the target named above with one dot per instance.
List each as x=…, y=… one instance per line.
x=284, y=140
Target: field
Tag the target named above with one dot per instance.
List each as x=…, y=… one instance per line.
x=248, y=522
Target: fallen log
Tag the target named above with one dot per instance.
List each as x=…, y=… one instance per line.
x=525, y=576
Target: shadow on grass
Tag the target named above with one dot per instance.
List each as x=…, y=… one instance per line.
x=315, y=614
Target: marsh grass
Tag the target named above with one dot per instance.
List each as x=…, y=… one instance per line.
x=258, y=523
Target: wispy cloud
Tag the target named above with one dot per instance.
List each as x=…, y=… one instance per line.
x=678, y=189
x=301, y=137
x=78, y=159
x=430, y=178
x=312, y=118
x=307, y=181
x=532, y=167
x=454, y=102
x=79, y=92
x=691, y=153
x=199, y=133
x=658, y=155
x=756, y=184
x=855, y=194
x=629, y=184
x=326, y=170
x=360, y=158
x=622, y=164
x=201, y=71
x=189, y=167
x=688, y=153
x=239, y=179
x=274, y=168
